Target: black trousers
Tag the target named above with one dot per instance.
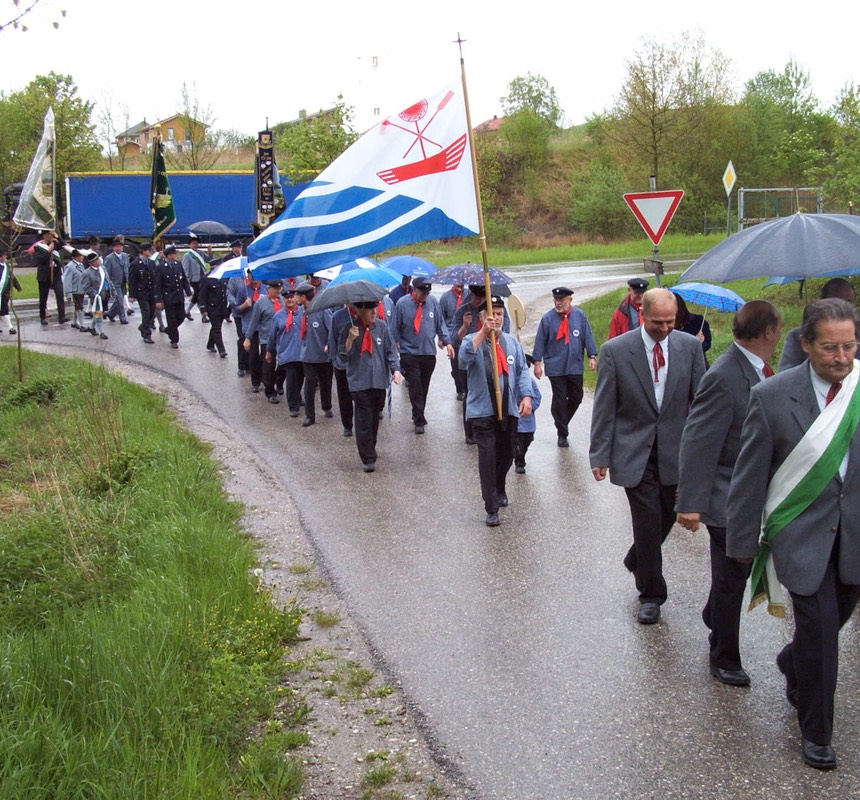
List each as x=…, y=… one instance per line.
x=522, y=442
x=147, y=316
x=566, y=399
x=418, y=370
x=467, y=423
x=294, y=377
x=811, y=660
x=457, y=373
x=495, y=440
x=256, y=360
x=215, y=335
x=344, y=398
x=45, y=289
x=722, y=612
x=243, y=359
x=369, y=404
x=175, y=315
x=317, y=374
x=652, y=507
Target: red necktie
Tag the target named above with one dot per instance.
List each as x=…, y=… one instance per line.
x=380, y=311
x=833, y=391
x=501, y=359
x=658, y=360
x=564, y=329
x=277, y=305
x=256, y=294
x=367, y=342
x=459, y=297
x=767, y=370
x=304, y=327
x=419, y=314
x=290, y=319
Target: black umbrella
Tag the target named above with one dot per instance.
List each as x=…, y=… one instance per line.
x=211, y=228
x=347, y=292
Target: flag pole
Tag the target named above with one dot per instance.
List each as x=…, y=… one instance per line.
x=481, y=232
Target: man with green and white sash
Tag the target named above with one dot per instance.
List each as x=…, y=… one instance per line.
x=794, y=507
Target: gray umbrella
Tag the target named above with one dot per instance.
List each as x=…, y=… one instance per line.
x=211, y=228
x=347, y=292
x=801, y=246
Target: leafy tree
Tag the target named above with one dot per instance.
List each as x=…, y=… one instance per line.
x=596, y=204
x=19, y=13
x=532, y=116
x=533, y=93
x=311, y=143
x=844, y=184
x=22, y=117
x=666, y=102
x=201, y=150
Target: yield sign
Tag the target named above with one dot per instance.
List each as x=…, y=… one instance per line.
x=654, y=210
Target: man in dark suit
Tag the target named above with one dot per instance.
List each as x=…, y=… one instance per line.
x=800, y=462
x=709, y=450
x=646, y=380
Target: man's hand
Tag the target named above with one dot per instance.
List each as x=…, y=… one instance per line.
x=592, y=363
x=526, y=406
x=538, y=370
x=599, y=472
x=247, y=345
x=268, y=357
x=743, y=560
x=397, y=377
x=159, y=306
x=690, y=521
x=450, y=350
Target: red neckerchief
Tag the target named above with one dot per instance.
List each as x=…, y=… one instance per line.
x=277, y=304
x=304, y=326
x=564, y=329
x=419, y=315
x=256, y=290
x=501, y=359
x=290, y=314
x=459, y=295
x=367, y=342
x=380, y=311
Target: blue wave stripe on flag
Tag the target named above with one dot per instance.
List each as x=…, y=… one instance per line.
x=432, y=224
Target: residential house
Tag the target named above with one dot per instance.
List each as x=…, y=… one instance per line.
x=175, y=132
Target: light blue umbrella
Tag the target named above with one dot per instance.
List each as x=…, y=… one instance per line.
x=381, y=275
x=411, y=265
x=231, y=268
x=706, y=294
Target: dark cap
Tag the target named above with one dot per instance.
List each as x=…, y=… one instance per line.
x=497, y=302
x=287, y=292
x=639, y=284
x=477, y=288
x=237, y=243
x=146, y=246
x=93, y=256
x=305, y=288
x=561, y=291
x=367, y=304
x=422, y=283
x=171, y=248
x=75, y=253
x=274, y=284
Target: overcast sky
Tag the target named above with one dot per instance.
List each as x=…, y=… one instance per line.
x=250, y=61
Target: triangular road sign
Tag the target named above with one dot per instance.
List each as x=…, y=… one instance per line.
x=654, y=210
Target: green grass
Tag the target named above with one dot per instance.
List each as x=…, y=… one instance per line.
x=136, y=649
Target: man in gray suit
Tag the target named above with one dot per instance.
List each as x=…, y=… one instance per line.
x=800, y=462
x=709, y=450
x=646, y=380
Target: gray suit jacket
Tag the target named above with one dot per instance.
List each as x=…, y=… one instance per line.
x=793, y=354
x=625, y=419
x=781, y=410
x=712, y=437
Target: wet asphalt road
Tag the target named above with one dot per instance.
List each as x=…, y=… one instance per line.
x=518, y=646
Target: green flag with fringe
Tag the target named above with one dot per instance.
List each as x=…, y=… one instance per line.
x=161, y=199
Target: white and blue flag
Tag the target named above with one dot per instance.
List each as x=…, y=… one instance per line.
x=408, y=179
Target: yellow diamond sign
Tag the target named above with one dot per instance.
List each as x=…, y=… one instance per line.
x=729, y=178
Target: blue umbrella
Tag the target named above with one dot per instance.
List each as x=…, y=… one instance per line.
x=231, y=268
x=381, y=275
x=705, y=294
x=410, y=265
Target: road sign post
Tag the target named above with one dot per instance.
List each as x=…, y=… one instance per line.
x=730, y=178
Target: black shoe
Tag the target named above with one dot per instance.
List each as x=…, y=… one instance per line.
x=461, y=396
x=205, y=319
x=470, y=440
x=562, y=441
x=328, y=413
x=493, y=521
x=174, y=345
x=147, y=340
x=210, y=348
x=241, y=373
x=273, y=399
x=308, y=422
x=790, y=685
x=75, y=325
x=223, y=355
x=281, y=390
x=649, y=613
x=820, y=756
x=520, y=469
x=103, y=336
x=44, y=323
x=131, y=312
x=367, y=467
x=255, y=388
x=13, y=331
x=419, y=429
x=123, y=322
x=731, y=677
x=346, y=431
x=189, y=317
x=294, y=414
x=94, y=332
x=162, y=330
x=503, y=500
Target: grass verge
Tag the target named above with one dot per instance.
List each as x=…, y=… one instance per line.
x=137, y=650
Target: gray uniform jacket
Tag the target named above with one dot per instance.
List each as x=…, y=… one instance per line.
x=780, y=412
x=116, y=267
x=625, y=419
x=712, y=437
